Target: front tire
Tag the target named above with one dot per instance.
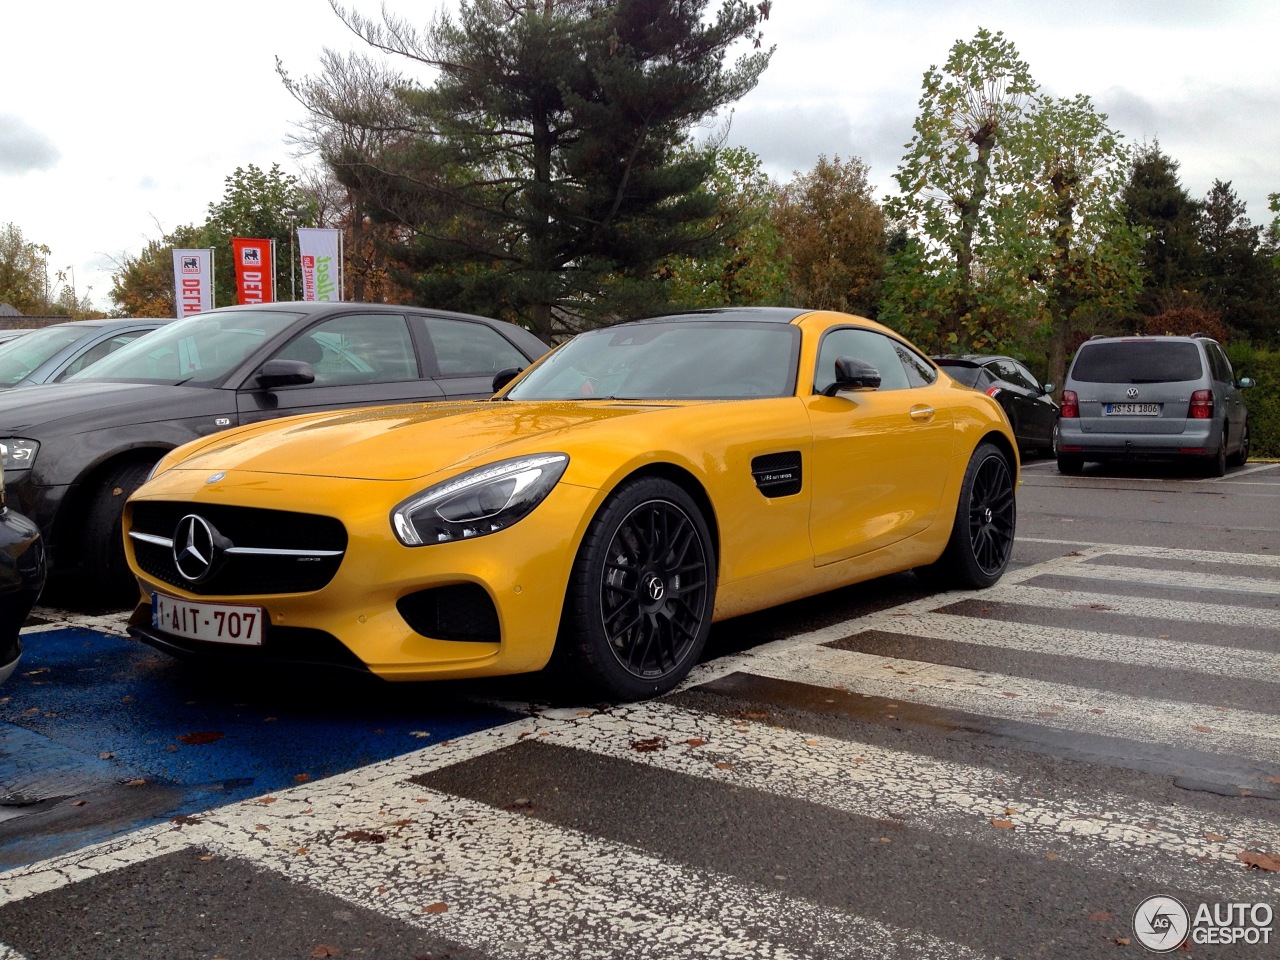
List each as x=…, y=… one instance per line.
x=105, y=572
x=641, y=593
x=986, y=521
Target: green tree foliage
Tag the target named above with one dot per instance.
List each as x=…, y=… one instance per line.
x=1239, y=276
x=1068, y=224
x=1156, y=203
x=941, y=286
x=256, y=204
x=834, y=236
x=748, y=268
x=541, y=175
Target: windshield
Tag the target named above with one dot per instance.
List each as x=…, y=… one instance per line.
x=20, y=356
x=1137, y=361
x=669, y=359
x=201, y=349
x=965, y=373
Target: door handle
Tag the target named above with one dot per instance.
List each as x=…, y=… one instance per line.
x=921, y=414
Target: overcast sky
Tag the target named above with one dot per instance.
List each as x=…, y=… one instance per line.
x=119, y=121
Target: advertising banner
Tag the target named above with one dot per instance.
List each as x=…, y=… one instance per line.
x=192, y=281
x=255, y=270
x=321, y=253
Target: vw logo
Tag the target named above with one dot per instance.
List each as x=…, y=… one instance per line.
x=655, y=588
x=1131, y=393
x=194, y=548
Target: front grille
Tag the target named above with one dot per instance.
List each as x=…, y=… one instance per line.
x=777, y=474
x=462, y=611
x=239, y=574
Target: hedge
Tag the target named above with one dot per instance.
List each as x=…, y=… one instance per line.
x=1263, y=400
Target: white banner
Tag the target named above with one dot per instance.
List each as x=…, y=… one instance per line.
x=321, y=253
x=192, y=281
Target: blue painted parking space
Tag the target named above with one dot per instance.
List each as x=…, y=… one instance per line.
x=100, y=734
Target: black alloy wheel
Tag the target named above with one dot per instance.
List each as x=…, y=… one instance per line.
x=984, y=528
x=992, y=515
x=642, y=592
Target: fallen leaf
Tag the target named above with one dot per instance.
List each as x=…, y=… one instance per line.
x=106, y=756
x=1273, y=779
x=136, y=782
x=1097, y=710
x=435, y=908
x=78, y=803
x=324, y=950
x=364, y=836
x=812, y=743
x=185, y=820
x=1102, y=915
x=1259, y=861
x=724, y=766
x=201, y=736
x=1215, y=837
x=1010, y=693
x=173, y=748
x=1122, y=941
x=302, y=851
x=696, y=742
x=265, y=801
x=32, y=712
x=126, y=699
x=301, y=777
x=1002, y=824
x=647, y=745
x=1201, y=728
x=1052, y=856
x=206, y=859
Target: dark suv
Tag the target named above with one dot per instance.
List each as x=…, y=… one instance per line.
x=1157, y=398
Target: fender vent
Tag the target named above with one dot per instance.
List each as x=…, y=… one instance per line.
x=777, y=474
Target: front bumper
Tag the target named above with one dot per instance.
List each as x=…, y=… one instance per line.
x=361, y=618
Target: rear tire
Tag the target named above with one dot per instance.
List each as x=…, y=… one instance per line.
x=105, y=573
x=1070, y=466
x=1241, y=456
x=986, y=522
x=641, y=593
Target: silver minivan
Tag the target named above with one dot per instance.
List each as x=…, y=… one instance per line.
x=1157, y=398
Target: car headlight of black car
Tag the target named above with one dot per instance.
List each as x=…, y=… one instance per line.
x=18, y=454
x=478, y=502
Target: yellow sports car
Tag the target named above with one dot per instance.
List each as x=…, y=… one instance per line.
x=598, y=513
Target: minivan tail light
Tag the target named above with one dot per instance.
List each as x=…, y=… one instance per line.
x=1070, y=404
x=1201, y=405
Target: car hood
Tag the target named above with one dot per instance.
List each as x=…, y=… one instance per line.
x=89, y=404
x=417, y=440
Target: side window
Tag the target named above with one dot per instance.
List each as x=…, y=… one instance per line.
x=98, y=351
x=920, y=373
x=883, y=353
x=1219, y=363
x=466, y=349
x=356, y=348
x=1015, y=373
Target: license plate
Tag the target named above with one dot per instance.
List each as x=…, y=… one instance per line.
x=1131, y=410
x=211, y=622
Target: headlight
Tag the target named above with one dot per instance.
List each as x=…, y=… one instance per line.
x=18, y=454
x=478, y=502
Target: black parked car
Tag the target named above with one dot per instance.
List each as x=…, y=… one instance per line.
x=76, y=450
x=22, y=571
x=1026, y=401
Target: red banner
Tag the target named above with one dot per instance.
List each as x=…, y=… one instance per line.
x=255, y=270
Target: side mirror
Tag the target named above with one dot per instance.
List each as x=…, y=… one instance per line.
x=1244, y=383
x=853, y=374
x=1047, y=388
x=505, y=376
x=285, y=373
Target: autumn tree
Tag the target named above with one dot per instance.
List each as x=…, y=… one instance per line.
x=540, y=175
x=30, y=286
x=833, y=233
x=1066, y=222
x=748, y=268
x=939, y=285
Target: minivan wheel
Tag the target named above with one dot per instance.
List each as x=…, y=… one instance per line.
x=1070, y=465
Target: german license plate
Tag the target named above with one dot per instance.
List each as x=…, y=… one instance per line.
x=1131, y=410
x=211, y=622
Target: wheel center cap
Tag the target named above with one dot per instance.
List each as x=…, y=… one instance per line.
x=654, y=588
x=987, y=515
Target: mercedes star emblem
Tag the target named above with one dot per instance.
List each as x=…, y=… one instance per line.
x=194, y=548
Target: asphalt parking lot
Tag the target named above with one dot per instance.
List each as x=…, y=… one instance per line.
x=877, y=772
